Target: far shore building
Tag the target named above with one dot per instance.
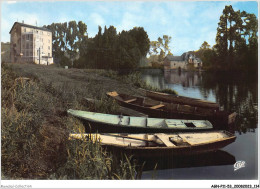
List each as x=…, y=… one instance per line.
x=30, y=44
x=181, y=62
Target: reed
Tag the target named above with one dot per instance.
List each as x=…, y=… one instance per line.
x=88, y=160
x=35, y=129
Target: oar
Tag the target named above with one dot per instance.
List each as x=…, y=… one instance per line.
x=79, y=136
x=134, y=138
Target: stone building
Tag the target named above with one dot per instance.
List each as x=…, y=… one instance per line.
x=181, y=62
x=174, y=62
x=30, y=44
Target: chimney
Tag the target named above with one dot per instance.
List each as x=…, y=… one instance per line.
x=23, y=21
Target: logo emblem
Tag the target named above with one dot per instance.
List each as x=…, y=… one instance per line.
x=239, y=164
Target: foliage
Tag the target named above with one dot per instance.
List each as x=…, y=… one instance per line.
x=169, y=91
x=35, y=130
x=160, y=48
x=88, y=160
x=109, y=50
x=236, y=39
x=206, y=54
x=68, y=39
x=236, y=43
x=28, y=149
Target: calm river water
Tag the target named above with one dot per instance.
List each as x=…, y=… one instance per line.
x=233, y=92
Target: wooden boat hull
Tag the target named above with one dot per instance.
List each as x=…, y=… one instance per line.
x=152, y=125
x=181, y=100
x=122, y=110
x=148, y=152
x=130, y=146
x=219, y=119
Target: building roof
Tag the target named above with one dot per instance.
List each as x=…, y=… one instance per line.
x=174, y=58
x=30, y=26
x=198, y=59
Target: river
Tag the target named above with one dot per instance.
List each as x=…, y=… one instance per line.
x=234, y=92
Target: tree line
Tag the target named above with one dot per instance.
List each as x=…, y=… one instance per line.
x=107, y=50
x=236, y=45
x=68, y=41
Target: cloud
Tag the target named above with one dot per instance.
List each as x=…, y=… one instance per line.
x=97, y=19
x=188, y=23
x=128, y=21
x=7, y=22
x=11, y=2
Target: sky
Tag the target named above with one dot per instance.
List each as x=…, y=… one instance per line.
x=189, y=23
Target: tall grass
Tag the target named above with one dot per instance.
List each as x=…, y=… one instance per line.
x=88, y=160
x=35, y=131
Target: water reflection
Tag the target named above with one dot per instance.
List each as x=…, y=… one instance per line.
x=186, y=79
x=233, y=91
x=207, y=159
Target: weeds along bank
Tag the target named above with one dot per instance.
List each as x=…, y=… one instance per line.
x=35, y=131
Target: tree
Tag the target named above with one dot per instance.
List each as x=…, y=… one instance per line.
x=164, y=44
x=206, y=54
x=68, y=39
x=154, y=46
x=159, y=49
x=82, y=38
x=236, y=37
x=112, y=50
x=141, y=39
x=71, y=37
x=204, y=46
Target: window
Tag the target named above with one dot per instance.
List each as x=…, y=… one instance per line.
x=24, y=30
x=27, y=45
x=48, y=54
x=49, y=41
x=28, y=37
x=49, y=47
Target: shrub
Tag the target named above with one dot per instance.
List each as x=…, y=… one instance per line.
x=35, y=131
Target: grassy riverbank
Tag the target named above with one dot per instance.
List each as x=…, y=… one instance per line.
x=35, y=126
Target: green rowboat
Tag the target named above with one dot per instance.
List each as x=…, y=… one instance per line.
x=119, y=123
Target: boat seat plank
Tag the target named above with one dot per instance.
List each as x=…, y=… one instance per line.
x=197, y=138
x=131, y=100
x=157, y=106
x=165, y=139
